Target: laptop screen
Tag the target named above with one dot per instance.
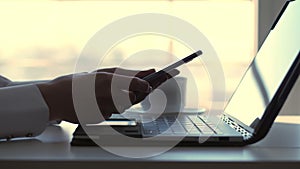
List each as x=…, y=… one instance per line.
x=268, y=69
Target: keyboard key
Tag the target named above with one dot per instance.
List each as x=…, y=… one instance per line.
x=194, y=131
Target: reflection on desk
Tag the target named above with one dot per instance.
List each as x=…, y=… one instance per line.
x=281, y=147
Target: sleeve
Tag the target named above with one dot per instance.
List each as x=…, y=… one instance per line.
x=23, y=111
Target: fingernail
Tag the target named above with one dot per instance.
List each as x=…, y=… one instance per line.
x=149, y=89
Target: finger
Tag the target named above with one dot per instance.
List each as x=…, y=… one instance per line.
x=128, y=83
x=140, y=85
x=133, y=73
x=163, y=78
x=144, y=73
x=131, y=95
x=136, y=73
x=126, y=72
x=106, y=70
x=140, y=97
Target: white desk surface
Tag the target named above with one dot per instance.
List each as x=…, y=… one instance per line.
x=280, y=148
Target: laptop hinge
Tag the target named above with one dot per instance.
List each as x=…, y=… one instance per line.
x=255, y=123
x=245, y=133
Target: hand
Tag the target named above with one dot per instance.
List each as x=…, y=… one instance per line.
x=141, y=74
x=58, y=93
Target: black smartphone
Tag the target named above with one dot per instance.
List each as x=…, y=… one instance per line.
x=171, y=67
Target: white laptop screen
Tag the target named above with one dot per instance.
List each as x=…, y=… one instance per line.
x=267, y=71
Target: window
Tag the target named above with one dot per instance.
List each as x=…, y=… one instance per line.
x=42, y=40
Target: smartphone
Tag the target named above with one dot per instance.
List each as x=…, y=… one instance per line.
x=171, y=67
x=116, y=122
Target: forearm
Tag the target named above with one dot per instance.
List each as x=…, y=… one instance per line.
x=16, y=83
x=4, y=82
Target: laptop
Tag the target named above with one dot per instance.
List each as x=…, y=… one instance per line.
x=246, y=119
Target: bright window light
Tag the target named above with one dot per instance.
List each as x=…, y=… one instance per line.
x=42, y=39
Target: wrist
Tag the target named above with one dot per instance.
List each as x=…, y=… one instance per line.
x=47, y=94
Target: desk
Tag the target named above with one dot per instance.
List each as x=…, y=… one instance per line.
x=281, y=148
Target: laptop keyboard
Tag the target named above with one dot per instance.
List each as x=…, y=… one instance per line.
x=192, y=125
